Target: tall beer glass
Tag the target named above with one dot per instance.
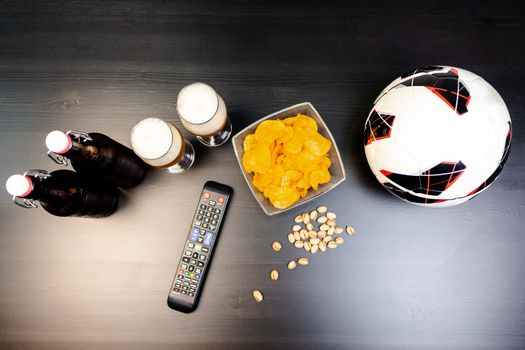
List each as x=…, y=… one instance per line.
x=162, y=145
x=203, y=113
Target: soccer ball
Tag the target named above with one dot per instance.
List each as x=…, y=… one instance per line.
x=437, y=136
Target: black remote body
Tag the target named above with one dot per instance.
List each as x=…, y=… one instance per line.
x=198, y=247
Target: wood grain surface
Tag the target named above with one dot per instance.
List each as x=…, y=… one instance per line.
x=412, y=278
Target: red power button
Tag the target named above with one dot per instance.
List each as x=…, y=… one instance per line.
x=220, y=200
x=206, y=195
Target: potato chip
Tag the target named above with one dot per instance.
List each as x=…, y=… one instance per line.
x=318, y=177
x=269, y=130
x=295, y=145
x=289, y=120
x=288, y=135
x=283, y=196
x=249, y=142
x=257, y=160
x=287, y=158
x=260, y=181
x=290, y=176
x=305, y=122
x=316, y=143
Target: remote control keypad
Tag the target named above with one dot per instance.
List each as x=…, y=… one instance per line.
x=198, y=246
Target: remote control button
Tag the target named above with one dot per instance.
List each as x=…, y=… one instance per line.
x=200, y=217
x=197, y=223
x=200, y=239
x=201, y=212
x=186, y=283
x=205, y=225
x=197, y=270
x=198, y=247
x=183, y=292
x=205, y=249
x=181, y=271
x=186, y=260
x=210, y=209
x=215, y=216
x=195, y=255
x=187, y=273
x=217, y=211
x=186, y=279
x=176, y=290
x=206, y=195
x=190, y=245
x=200, y=264
x=212, y=227
x=193, y=261
x=192, y=275
x=177, y=285
x=208, y=214
x=180, y=277
x=187, y=253
x=192, y=290
x=191, y=268
x=202, y=232
x=194, y=285
x=212, y=203
x=203, y=206
x=220, y=200
x=202, y=257
x=214, y=222
x=207, y=220
x=194, y=234
x=184, y=266
x=198, y=276
x=185, y=287
x=207, y=238
x=190, y=294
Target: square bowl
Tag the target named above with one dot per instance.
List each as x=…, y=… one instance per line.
x=337, y=169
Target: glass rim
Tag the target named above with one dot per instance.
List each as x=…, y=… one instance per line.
x=197, y=83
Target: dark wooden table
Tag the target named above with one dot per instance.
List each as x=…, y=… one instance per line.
x=412, y=278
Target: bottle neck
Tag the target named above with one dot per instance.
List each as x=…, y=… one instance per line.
x=83, y=152
x=40, y=190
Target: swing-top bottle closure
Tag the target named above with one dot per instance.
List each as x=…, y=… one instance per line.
x=20, y=186
x=59, y=142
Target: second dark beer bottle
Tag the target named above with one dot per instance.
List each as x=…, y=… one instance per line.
x=63, y=193
x=97, y=156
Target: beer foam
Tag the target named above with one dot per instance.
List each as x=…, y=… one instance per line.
x=197, y=103
x=152, y=138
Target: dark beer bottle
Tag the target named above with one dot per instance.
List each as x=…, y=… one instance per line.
x=98, y=156
x=63, y=193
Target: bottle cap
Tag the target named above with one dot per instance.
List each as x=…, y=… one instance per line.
x=58, y=142
x=19, y=185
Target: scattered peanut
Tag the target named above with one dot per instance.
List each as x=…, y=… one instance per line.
x=322, y=209
x=257, y=295
x=302, y=261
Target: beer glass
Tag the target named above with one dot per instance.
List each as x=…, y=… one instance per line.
x=203, y=113
x=162, y=145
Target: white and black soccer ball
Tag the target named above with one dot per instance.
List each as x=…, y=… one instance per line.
x=437, y=136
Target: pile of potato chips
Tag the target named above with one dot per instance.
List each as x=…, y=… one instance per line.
x=287, y=157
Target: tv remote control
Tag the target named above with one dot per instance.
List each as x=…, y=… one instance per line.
x=198, y=247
